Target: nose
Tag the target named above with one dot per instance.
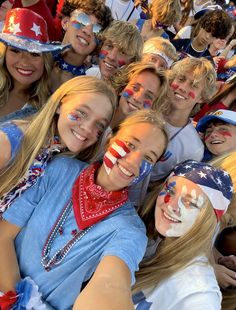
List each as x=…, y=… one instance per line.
x=138, y=96
x=135, y=158
x=87, y=126
x=174, y=206
x=112, y=54
x=88, y=30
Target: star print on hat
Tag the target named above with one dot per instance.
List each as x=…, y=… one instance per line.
x=215, y=183
x=26, y=30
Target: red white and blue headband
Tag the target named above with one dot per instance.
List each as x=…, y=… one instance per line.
x=151, y=49
x=215, y=183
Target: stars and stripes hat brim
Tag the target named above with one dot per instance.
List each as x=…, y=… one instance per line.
x=27, y=31
x=215, y=183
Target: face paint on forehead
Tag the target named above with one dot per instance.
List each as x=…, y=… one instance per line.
x=73, y=117
x=144, y=170
x=103, y=54
x=147, y=104
x=116, y=150
x=127, y=93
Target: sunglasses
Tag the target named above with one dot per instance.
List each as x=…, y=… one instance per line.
x=82, y=20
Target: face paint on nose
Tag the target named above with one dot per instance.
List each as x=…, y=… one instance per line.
x=147, y=104
x=174, y=86
x=144, y=170
x=73, y=117
x=103, y=54
x=121, y=63
x=191, y=94
x=116, y=150
x=127, y=93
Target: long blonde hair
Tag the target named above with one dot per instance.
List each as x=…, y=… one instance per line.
x=43, y=128
x=173, y=254
x=38, y=92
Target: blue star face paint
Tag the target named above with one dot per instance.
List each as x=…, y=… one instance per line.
x=144, y=170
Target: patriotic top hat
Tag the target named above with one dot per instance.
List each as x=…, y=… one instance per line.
x=26, y=30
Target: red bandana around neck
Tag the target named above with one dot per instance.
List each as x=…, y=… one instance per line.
x=91, y=203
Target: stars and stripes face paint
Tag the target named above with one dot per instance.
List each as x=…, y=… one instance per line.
x=103, y=54
x=127, y=93
x=74, y=117
x=116, y=150
x=144, y=170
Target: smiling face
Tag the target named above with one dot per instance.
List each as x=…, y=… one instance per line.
x=204, y=38
x=184, y=93
x=138, y=143
x=111, y=58
x=220, y=138
x=141, y=91
x=178, y=206
x=25, y=68
x=82, y=119
x=80, y=32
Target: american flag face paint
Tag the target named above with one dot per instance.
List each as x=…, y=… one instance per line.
x=74, y=117
x=118, y=149
x=103, y=54
x=147, y=104
x=127, y=93
x=166, y=192
x=144, y=170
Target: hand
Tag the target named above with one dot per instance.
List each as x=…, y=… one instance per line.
x=228, y=261
x=224, y=276
x=232, y=43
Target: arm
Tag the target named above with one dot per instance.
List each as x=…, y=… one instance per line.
x=9, y=269
x=109, y=288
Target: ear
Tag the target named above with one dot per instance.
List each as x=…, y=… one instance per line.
x=65, y=22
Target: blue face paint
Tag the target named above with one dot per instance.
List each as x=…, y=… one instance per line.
x=77, y=25
x=144, y=170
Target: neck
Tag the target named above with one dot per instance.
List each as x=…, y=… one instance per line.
x=72, y=58
x=213, y=50
x=197, y=45
x=102, y=180
x=117, y=119
x=178, y=118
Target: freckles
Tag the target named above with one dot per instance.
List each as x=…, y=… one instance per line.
x=127, y=93
x=174, y=86
x=191, y=94
x=147, y=104
x=73, y=117
x=103, y=54
x=121, y=63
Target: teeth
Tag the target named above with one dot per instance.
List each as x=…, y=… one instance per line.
x=126, y=172
x=179, y=96
x=109, y=66
x=133, y=106
x=27, y=72
x=78, y=136
x=83, y=41
x=216, y=142
x=170, y=218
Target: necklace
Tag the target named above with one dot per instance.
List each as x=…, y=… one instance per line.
x=64, y=66
x=47, y=262
x=126, y=10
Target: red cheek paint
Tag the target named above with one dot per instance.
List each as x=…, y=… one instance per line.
x=206, y=137
x=226, y=133
x=103, y=54
x=127, y=93
x=174, y=86
x=73, y=117
x=191, y=94
x=167, y=198
x=147, y=104
x=121, y=63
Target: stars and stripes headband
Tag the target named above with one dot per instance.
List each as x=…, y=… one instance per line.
x=215, y=183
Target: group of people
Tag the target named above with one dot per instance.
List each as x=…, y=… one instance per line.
x=117, y=157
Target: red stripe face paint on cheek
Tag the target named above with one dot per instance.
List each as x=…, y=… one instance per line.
x=174, y=86
x=191, y=94
x=167, y=198
x=121, y=63
x=226, y=133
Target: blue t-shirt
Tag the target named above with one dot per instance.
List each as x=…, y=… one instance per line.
x=120, y=234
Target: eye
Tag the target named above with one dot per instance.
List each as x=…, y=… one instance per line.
x=181, y=78
x=149, y=159
x=130, y=145
x=82, y=113
x=35, y=54
x=101, y=126
x=109, y=46
x=13, y=50
x=135, y=87
x=149, y=96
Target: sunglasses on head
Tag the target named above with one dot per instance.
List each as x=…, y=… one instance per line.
x=82, y=20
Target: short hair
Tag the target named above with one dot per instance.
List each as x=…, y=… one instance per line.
x=91, y=7
x=217, y=22
x=202, y=70
x=164, y=46
x=126, y=36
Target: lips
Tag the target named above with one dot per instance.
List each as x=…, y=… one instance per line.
x=24, y=72
x=127, y=173
x=78, y=136
x=177, y=95
x=83, y=41
x=132, y=106
x=169, y=218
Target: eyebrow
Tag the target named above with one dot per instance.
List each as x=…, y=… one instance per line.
x=136, y=139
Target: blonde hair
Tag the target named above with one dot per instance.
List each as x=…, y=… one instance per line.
x=126, y=37
x=125, y=75
x=162, y=45
x=227, y=163
x=173, y=254
x=43, y=128
x=202, y=71
x=38, y=92
x=167, y=12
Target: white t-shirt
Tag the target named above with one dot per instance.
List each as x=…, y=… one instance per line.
x=185, y=32
x=94, y=71
x=122, y=9
x=192, y=288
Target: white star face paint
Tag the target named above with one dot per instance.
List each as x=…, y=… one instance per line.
x=176, y=215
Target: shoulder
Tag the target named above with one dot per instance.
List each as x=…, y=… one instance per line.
x=66, y=165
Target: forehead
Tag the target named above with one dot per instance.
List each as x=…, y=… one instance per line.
x=181, y=182
x=219, y=123
x=92, y=17
x=147, y=80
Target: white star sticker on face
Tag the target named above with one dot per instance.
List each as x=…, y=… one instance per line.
x=14, y=28
x=36, y=29
x=231, y=189
x=202, y=174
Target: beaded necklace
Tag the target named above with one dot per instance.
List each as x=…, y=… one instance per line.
x=47, y=262
x=64, y=66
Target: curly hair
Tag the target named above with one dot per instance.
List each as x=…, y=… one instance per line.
x=91, y=7
x=216, y=22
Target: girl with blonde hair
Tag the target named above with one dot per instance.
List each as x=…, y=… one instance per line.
x=26, y=64
x=84, y=225
x=73, y=119
x=164, y=13
x=183, y=216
